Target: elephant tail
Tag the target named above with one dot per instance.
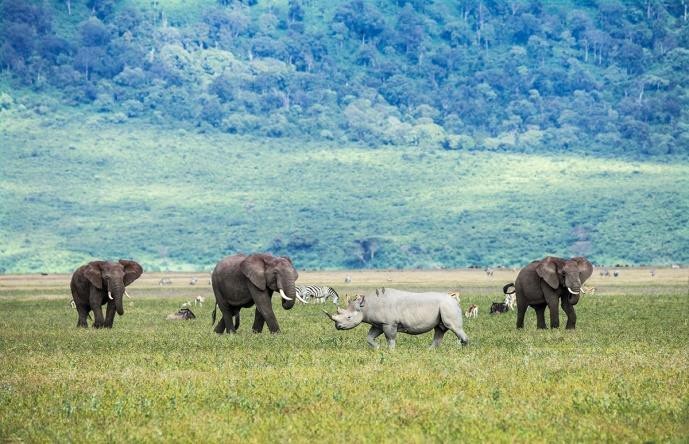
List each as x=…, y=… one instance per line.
x=215, y=309
x=236, y=321
x=507, y=287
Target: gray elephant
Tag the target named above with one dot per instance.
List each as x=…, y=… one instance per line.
x=547, y=282
x=242, y=281
x=98, y=283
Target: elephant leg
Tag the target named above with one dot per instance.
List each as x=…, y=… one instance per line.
x=553, y=300
x=220, y=328
x=259, y=321
x=227, y=315
x=438, y=336
x=521, y=311
x=540, y=315
x=94, y=301
x=390, y=334
x=571, y=314
x=373, y=333
x=109, y=314
x=83, y=311
x=265, y=308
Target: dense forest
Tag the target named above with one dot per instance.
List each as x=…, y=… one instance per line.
x=345, y=134
x=600, y=76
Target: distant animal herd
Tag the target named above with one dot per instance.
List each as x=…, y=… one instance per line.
x=244, y=281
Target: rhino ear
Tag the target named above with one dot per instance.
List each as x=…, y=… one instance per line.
x=360, y=302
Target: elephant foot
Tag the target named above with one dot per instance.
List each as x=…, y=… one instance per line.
x=570, y=327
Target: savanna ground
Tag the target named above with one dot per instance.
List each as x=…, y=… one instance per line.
x=622, y=376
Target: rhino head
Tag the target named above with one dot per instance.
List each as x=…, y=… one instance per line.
x=350, y=317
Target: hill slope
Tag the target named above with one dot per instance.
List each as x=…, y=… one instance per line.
x=75, y=187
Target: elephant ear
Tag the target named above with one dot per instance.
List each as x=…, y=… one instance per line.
x=132, y=271
x=93, y=273
x=547, y=270
x=254, y=268
x=585, y=268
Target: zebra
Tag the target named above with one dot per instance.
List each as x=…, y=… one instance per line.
x=320, y=293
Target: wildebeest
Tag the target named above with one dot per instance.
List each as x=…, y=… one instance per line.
x=182, y=315
x=499, y=307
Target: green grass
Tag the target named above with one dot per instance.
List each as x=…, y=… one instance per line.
x=76, y=187
x=622, y=376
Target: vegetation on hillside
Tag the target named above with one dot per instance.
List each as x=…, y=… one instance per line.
x=75, y=188
x=384, y=134
x=602, y=76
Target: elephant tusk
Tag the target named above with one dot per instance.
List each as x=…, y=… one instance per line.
x=127, y=294
x=284, y=296
x=301, y=299
x=109, y=295
x=572, y=291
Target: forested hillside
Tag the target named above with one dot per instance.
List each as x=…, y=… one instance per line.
x=383, y=134
x=603, y=76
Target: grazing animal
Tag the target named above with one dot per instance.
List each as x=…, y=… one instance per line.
x=653, y=272
x=615, y=273
x=183, y=314
x=588, y=290
x=547, y=283
x=199, y=300
x=165, y=281
x=472, y=311
x=489, y=272
x=193, y=280
x=319, y=293
x=675, y=267
x=99, y=283
x=499, y=307
x=348, y=279
x=242, y=281
x=402, y=311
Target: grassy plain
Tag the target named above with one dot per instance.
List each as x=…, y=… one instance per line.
x=622, y=376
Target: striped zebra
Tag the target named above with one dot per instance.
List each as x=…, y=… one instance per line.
x=319, y=293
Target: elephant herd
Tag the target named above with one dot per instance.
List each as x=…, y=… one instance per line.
x=242, y=281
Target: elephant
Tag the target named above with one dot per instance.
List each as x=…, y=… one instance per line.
x=543, y=283
x=101, y=282
x=241, y=281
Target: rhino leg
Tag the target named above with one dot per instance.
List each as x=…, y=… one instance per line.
x=373, y=333
x=451, y=317
x=390, y=334
x=438, y=336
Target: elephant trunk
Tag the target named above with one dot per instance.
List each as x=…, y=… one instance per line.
x=574, y=298
x=291, y=292
x=116, y=293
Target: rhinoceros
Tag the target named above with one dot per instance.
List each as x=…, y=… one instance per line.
x=390, y=311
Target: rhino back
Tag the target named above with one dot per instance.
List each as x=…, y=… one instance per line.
x=412, y=312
